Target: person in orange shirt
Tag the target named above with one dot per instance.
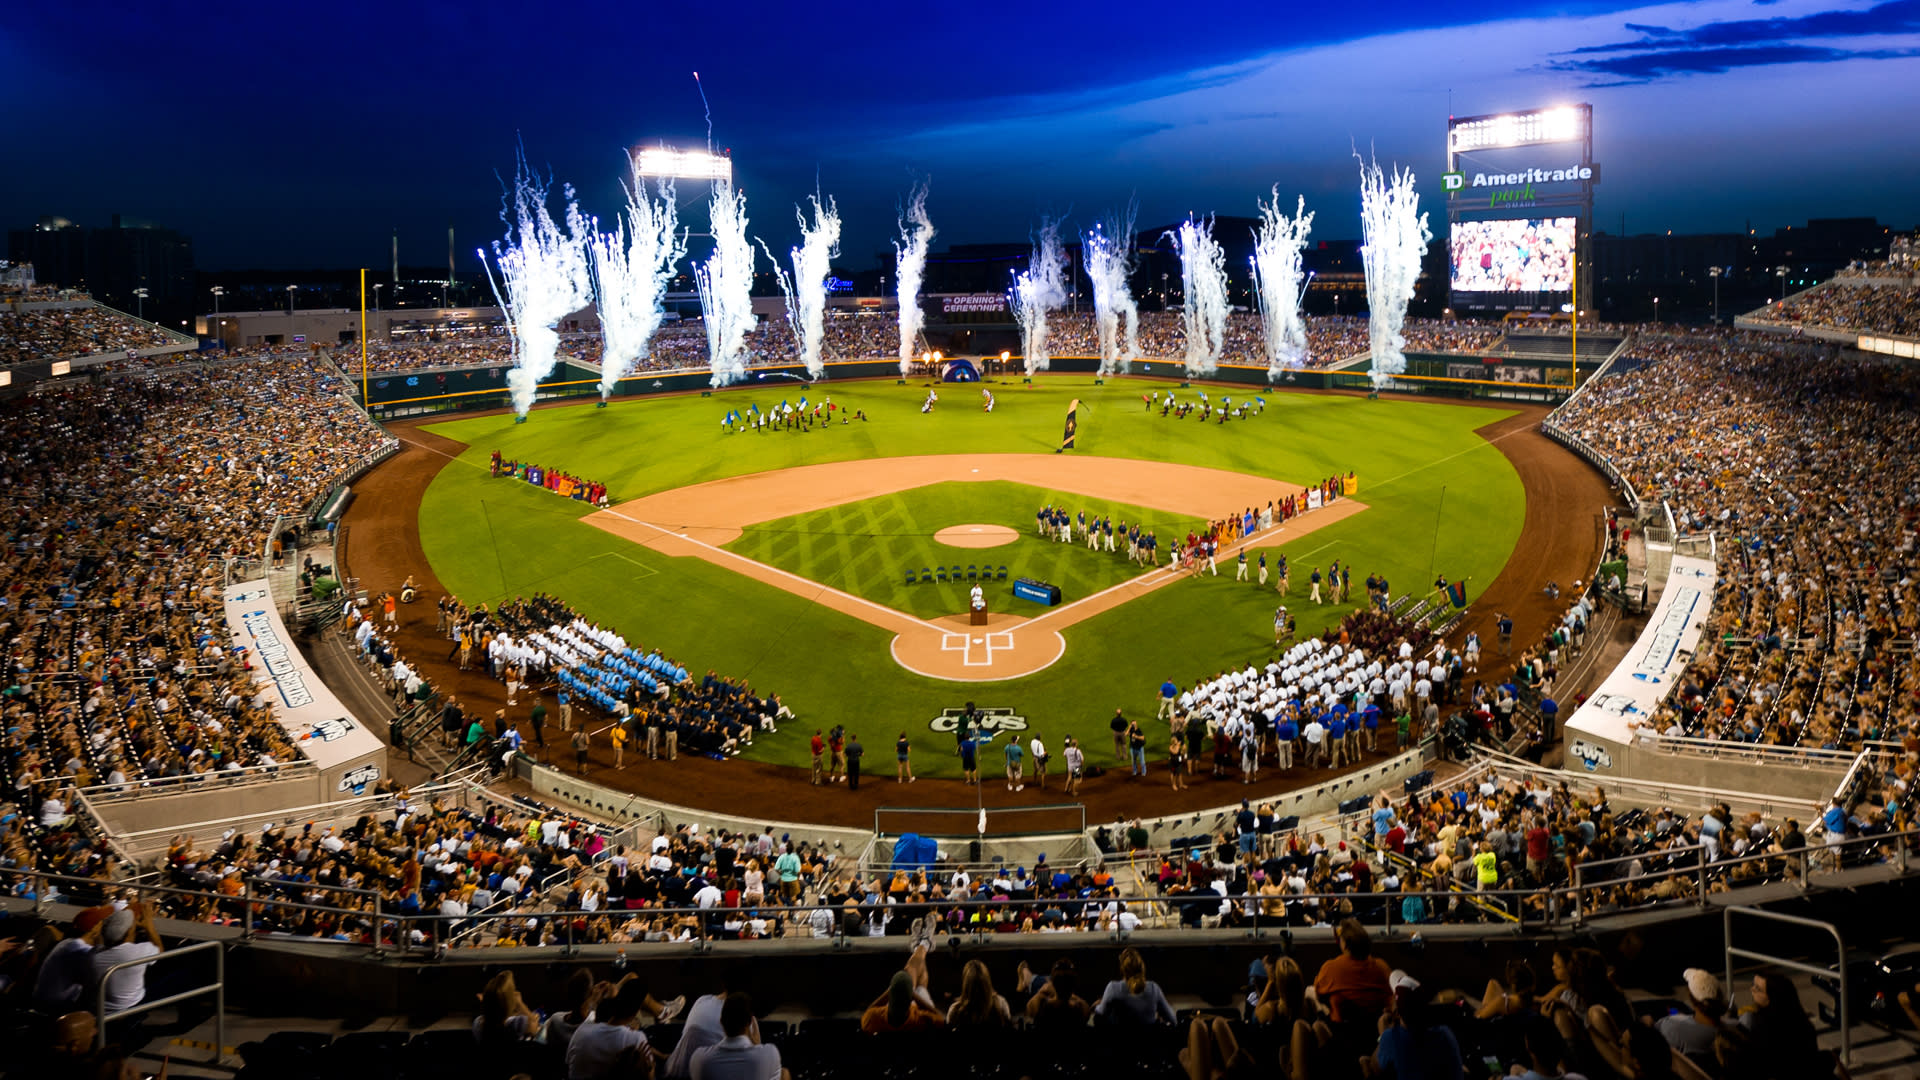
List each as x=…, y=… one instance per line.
x=906, y=1004
x=1353, y=986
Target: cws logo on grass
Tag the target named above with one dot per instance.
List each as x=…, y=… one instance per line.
x=987, y=722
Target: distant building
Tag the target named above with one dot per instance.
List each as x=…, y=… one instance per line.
x=111, y=262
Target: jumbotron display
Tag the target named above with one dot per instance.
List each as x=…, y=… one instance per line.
x=1514, y=255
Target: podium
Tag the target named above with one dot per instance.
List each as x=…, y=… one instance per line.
x=977, y=616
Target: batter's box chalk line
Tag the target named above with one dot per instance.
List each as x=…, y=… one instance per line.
x=988, y=644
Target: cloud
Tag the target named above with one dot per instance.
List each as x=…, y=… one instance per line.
x=1894, y=17
x=1647, y=66
x=1721, y=46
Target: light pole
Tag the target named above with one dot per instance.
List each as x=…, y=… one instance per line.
x=140, y=296
x=1714, y=273
x=377, y=286
x=1656, y=310
x=290, y=290
x=1781, y=273
x=217, y=292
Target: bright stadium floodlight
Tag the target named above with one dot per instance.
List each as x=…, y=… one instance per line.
x=662, y=161
x=1562, y=123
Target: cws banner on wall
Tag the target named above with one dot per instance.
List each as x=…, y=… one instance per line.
x=1652, y=668
x=1073, y=425
x=350, y=757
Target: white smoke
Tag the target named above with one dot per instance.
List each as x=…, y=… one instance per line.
x=633, y=266
x=806, y=290
x=1203, y=276
x=1396, y=235
x=1277, y=244
x=1040, y=289
x=543, y=278
x=1116, y=318
x=725, y=282
x=910, y=255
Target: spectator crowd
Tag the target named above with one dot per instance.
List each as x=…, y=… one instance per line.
x=72, y=331
x=127, y=498
x=1879, y=309
x=1792, y=455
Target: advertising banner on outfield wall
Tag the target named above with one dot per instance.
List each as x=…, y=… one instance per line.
x=1651, y=669
x=350, y=758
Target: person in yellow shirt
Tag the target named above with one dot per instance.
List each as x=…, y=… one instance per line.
x=619, y=736
x=1486, y=866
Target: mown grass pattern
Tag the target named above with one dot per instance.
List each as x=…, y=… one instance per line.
x=491, y=538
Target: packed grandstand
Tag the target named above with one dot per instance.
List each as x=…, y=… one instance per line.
x=682, y=345
x=123, y=683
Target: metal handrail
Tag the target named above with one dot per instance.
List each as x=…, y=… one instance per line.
x=1726, y=935
x=225, y=778
x=218, y=988
x=1678, y=744
x=1510, y=904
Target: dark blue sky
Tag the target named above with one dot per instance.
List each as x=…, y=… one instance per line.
x=300, y=135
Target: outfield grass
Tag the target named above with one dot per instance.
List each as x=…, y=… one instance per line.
x=867, y=547
x=494, y=538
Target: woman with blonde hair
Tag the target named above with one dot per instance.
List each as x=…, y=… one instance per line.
x=504, y=1017
x=754, y=891
x=1133, y=1000
x=979, y=1005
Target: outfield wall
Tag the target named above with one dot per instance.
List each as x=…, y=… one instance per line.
x=398, y=395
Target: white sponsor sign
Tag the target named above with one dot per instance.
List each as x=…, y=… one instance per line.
x=358, y=779
x=318, y=723
x=1653, y=666
x=973, y=303
x=1592, y=755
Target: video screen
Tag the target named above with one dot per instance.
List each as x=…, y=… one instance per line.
x=1517, y=255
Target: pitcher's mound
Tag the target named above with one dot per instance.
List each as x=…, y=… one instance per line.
x=976, y=536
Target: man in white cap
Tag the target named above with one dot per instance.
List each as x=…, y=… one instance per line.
x=127, y=988
x=1693, y=1034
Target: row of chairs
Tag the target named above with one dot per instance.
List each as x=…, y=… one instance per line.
x=972, y=572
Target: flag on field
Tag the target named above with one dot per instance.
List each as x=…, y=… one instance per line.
x=1457, y=593
x=1073, y=423
x=1262, y=402
x=803, y=403
x=754, y=408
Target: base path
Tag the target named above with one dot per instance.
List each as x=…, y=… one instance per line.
x=696, y=520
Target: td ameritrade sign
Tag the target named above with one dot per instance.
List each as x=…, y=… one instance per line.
x=1517, y=187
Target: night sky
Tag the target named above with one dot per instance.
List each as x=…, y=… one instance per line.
x=299, y=136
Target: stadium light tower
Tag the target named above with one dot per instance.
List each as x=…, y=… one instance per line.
x=377, y=286
x=668, y=163
x=217, y=292
x=1714, y=273
x=140, y=298
x=1781, y=273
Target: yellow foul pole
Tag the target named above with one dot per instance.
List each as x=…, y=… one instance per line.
x=363, y=338
x=1573, y=283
